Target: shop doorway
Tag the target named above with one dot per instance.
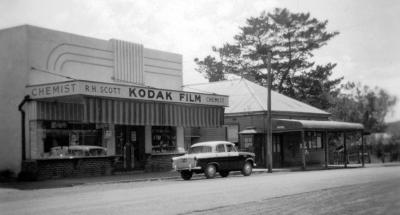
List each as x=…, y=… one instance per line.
x=259, y=150
x=277, y=151
x=130, y=146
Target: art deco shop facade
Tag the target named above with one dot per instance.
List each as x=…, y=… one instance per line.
x=70, y=90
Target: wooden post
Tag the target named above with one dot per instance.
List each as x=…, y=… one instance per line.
x=269, y=127
x=303, y=151
x=325, y=140
x=265, y=139
x=362, y=149
x=345, y=149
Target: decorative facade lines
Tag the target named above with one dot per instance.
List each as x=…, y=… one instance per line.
x=163, y=67
x=59, y=52
x=73, y=57
x=128, y=64
x=84, y=62
x=164, y=60
x=161, y=73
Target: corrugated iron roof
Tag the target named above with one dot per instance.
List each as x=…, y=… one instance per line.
x=246, y=96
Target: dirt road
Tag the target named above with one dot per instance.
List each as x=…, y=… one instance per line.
x=348, y=191
x=370, y=198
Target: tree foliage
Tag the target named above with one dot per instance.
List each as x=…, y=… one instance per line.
x=213, y=70
x=291, y=39
x=360, y=103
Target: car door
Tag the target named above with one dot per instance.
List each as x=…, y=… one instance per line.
x=233, y=160
x=222, y=156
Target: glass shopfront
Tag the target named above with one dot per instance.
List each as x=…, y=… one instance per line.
x=163, y=139
x=313, y=140
x=60, y=139
x=130, y=146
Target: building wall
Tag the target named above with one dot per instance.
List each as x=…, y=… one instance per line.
x=180, y=139
x=212, y=134
x=160, y=66
x=31, y=55
x=13, y=78
x=292, y=153
x=247, y=121
x=316, y=156
x=112, y=61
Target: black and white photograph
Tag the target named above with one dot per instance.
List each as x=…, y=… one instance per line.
x=198, y=107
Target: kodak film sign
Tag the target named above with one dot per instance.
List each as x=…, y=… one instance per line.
x=123, y=91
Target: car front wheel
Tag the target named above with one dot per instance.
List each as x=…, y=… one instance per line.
x=210, y=171
x=247, y=169
x=186, y=175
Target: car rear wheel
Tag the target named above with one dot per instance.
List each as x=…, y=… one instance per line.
x=224, y=173
x=247, y=169
x=186, y=175
x=210, y=171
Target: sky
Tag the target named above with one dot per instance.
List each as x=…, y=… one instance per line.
x=367, y=50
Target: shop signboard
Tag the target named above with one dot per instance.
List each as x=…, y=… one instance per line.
x=123, y=91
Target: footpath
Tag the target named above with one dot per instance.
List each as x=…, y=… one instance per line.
x=140, y=176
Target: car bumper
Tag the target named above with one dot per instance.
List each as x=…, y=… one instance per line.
x=186, y=168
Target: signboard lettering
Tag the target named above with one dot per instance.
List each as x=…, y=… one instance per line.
x=150, y=94
x=188, y=97
x=123, y=91
x=54, y=90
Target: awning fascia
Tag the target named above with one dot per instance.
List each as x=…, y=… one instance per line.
x=282, y=125
x=251, y=130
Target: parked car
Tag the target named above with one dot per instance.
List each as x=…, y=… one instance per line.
x=86, y=150
x=212, y=157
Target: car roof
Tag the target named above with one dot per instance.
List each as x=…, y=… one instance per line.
x=210, y=143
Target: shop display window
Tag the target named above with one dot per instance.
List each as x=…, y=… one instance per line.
x=62, y=139
x=314, y=140
x=248, y=143
x=163, y=139
x=276, y=143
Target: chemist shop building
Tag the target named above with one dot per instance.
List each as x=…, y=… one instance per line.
x=73, y=105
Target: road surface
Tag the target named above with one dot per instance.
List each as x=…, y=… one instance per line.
x=341, y=191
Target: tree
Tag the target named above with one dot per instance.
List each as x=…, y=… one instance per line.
x=291, y=38
x=316, y=88
x=360, y=103
x=212, y=69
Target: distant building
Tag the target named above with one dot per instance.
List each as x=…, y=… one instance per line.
x=302, y=134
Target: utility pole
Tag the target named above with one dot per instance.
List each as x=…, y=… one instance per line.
x=269, y=122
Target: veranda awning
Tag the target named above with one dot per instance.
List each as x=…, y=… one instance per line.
x=128, y=112
x=284, y=125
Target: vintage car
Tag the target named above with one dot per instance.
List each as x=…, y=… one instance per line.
x=212, y=157
x=86, y=150
x=76, y=151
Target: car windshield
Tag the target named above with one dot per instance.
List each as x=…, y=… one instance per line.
x=200, y=149
x=231, y=148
